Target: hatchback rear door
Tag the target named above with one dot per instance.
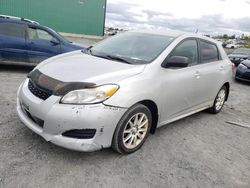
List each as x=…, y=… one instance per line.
x=12, y=42
x=210, y=71
x=41, y=44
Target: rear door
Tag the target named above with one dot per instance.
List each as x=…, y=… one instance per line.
x=12, y=42
x=210, y=71
x=41, y=44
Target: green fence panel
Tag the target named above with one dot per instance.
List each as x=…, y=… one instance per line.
x=70, y=16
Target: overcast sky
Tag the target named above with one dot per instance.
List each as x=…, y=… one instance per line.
x=208, y=16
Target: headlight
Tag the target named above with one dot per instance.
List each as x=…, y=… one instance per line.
x=90, y=95
x=241, y=66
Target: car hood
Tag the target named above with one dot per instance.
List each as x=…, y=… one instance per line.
x=79, y=67
x=246, y=63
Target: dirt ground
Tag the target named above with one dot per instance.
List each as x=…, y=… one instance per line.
x=199, y=151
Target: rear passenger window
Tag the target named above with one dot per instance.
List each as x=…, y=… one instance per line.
x=12, y=29
x=209, y=52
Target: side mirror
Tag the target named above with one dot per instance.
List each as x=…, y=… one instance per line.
x=55, y=41
x=176, y=61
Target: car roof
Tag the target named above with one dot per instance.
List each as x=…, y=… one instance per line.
x=12, y=19
x=175, y=34
x=6, y=18
x=171, y=33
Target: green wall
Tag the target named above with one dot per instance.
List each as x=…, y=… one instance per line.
x=70, y=16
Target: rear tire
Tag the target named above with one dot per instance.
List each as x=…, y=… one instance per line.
x=219, y=101
x=132, y=130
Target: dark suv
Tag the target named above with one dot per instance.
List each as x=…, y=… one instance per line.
x=24, y=40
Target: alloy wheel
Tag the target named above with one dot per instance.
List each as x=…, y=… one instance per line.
x=220, y=99
x=135, y=130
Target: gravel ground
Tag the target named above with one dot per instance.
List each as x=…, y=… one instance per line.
x=199, y=151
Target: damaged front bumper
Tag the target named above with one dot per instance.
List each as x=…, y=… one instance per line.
x=58, y=118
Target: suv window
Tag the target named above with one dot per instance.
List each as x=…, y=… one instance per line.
x=12, y=29
x=39, y=34
x=209, y=52
x=188, y=49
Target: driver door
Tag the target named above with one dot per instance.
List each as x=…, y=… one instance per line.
x=181, y=85
x=41, y=44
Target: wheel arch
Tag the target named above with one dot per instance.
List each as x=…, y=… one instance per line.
x=227, y=85
x=152, y=106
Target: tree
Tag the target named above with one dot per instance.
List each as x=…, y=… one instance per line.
x=232, y=37
x=225, y=36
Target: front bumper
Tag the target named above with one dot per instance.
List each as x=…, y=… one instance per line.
x=59, y=118
x=243, y=75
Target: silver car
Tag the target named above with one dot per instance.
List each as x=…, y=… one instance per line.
x=117, y=92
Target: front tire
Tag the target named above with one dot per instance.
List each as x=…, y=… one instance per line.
x=219, y=101
x=132, y=130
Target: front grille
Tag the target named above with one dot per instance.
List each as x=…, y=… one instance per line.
x=44, y=86
x=38, y=92
x=246, y=76
x=36, y=120
x=80, y=133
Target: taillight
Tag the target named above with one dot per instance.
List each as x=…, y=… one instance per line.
x=233, y=66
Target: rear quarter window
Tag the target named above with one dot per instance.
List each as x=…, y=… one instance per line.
x=209, y=52
x=12, y=29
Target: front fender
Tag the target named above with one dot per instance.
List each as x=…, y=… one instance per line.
x=134, y=90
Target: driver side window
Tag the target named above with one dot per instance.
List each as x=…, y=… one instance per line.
x=188, y=49
x=38, y=34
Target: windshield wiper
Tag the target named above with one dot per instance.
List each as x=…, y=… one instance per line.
x=118, y=58
x=109, y=57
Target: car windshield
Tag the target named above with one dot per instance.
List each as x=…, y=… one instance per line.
x=132, y=48
x=242, y=51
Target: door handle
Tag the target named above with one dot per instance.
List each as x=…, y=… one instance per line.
x=197, y=74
